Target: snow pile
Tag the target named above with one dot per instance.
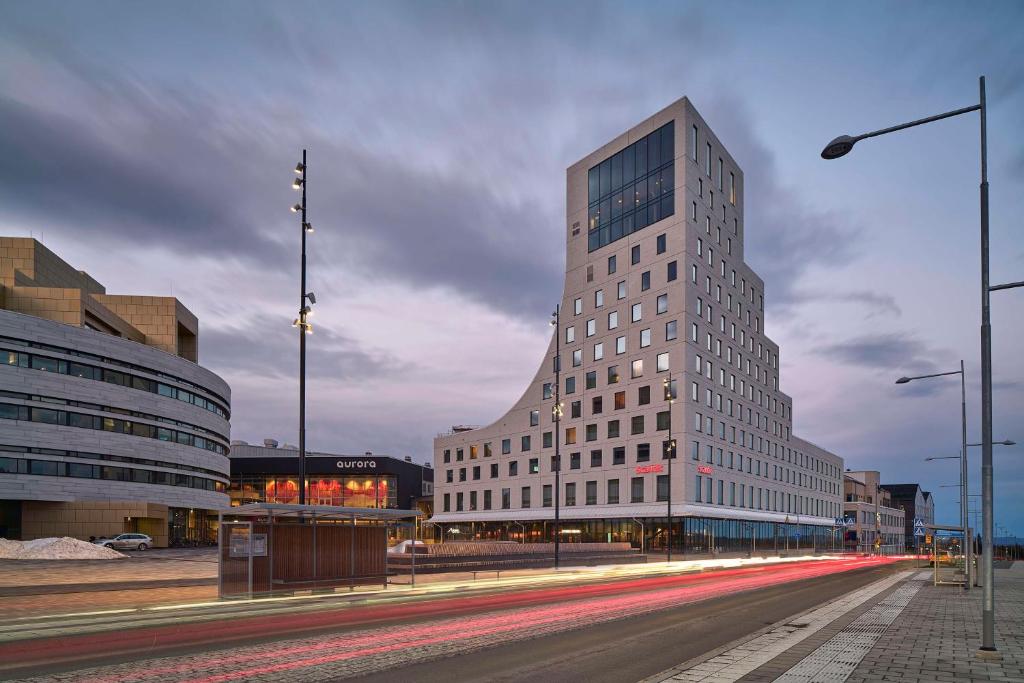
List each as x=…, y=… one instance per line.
x=65, y=548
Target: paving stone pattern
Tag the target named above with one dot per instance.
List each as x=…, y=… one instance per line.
x=735, y=662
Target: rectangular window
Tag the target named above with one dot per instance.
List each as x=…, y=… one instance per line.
x=698, y=489
x=645, y=338
x=506, y=446
x=637, y=490
x=620, y=345
x=619, y=455
x=524, y=443
x=591, y=493
x=660, y=242
x=574, y=461
x=613, y=491
x=591, y=379
x=637, y=424
x=613, y=320
x=577, y=306
x=645, y=280
x=634, y=254
x=620, y=400
x=570, y=384
x=524, y=499
x=575, y=409
x=596, y=405
x=570, y=435
x=590, y=432
x=662, y=304
x=636, y=312
x=534, y=418
x=506, y=499
x=611, y=264
x=662, y=488
x=621, y=290
x=672, y=271
x=613, y=429
x=670, y=330
x=643, y=395
x=637, y=368
x=599, y=298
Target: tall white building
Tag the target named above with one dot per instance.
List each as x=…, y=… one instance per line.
x=656, y=287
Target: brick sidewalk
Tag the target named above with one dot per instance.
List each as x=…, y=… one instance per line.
x=930, y=634
x=936, y=636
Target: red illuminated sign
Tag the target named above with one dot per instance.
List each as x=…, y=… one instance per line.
x=704, y=469
x=647, y=469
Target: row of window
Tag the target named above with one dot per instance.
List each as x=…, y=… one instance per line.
x=720, y=168
x=124, y=379
x=759, y=498
x=109, y=458
x=54, y=468
x=788, y=475
x=741, y=496
x=10, y=411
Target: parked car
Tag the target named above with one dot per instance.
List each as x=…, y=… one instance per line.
x=126, y=542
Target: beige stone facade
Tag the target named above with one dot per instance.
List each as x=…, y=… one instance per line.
x=107, y=423
x=37, y=282
x=82, y=519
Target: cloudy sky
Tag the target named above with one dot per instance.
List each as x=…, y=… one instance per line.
x=153, y=146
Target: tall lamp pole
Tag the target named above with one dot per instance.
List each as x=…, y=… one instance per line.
x=670, y=453
x=965, y=523
x=306, y=302
x=841, y=146
x=556, y=416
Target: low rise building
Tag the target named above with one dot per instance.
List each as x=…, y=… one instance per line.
x=270, y=474
x=878, y=523
x=916, y=504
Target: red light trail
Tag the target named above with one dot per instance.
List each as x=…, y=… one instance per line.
x=390, y=646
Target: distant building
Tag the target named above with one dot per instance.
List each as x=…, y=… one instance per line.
x=917, y=503
x=107, y=422
x=269, y=474
x=879, y=522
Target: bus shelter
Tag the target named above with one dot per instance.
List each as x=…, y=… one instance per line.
x=273, y=548
x=948, y=549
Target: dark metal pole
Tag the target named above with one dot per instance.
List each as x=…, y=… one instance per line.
x=988, y=598
x=968, y=550
x=556, y=411
x=302, y=347
x=671, y=456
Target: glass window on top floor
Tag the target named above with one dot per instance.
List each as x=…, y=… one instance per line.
x=631, y=189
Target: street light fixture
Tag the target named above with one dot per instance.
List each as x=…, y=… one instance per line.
x=841, y=146
x=306, y=302
x=1005, y=442
x=556, y=416
x=964, y=521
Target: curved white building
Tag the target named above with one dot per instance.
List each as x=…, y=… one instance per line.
x=655, y=287
x=107, y=423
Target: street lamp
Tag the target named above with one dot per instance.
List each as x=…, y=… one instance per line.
x=306, y=302
x=963, y=454
x=1004, y=442
x=556, y=416
x=841, y=146
x=670, y=453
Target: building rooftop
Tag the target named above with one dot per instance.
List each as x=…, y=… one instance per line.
x=35, y=281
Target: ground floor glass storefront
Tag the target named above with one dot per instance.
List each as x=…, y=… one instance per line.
x=696, y=535
x=359, y=491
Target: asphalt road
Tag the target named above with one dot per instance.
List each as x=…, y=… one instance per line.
x=609, y=631
x=631, y=649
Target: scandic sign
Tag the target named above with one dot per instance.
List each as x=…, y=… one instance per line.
x=704, y=469
x=647, y=469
